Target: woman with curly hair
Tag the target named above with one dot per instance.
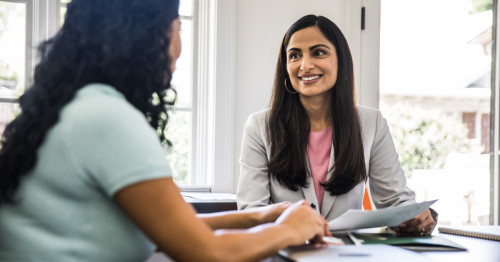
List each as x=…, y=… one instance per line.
x=314, y=142
x=83, y=173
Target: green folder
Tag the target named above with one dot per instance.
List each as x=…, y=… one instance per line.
x=419, y=244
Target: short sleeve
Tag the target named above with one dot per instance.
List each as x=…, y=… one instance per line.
x=112, y=143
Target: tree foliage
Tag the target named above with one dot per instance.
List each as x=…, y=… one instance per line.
x=424, y=138
x=481, y=5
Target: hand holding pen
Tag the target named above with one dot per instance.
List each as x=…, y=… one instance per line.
x=318, y=239
x=305, y=224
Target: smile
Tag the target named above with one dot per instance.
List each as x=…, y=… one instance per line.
x=309, y=78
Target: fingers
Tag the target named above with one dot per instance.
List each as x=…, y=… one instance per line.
x=272, y=212
x=421, y=225
x=304, y=221
x=327, y=229
x=318, y=240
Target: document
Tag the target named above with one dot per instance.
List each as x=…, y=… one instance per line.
x=209, y=196
x=391, y=216
x=419, y=244
x=352, y=253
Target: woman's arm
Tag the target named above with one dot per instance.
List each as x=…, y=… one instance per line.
x=244, y=219
x=253, y=184
x=388, y=182
x=386, y=177
x=157, y=207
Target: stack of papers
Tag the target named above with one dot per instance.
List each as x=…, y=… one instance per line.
x=390, y=217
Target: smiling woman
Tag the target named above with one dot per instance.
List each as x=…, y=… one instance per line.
x=311, y=64
x=315, y=143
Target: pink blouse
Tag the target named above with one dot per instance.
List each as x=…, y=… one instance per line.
x=318, y=153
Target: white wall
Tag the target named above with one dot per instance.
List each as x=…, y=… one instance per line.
x=260, y=26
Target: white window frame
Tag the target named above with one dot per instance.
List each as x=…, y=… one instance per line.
x=495, y=122
x=213, y=96
x=42, y=22
x=370, y=76
x=42, y=18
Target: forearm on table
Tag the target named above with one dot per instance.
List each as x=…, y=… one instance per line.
x=231, y=219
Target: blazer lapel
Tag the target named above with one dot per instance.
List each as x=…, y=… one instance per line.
x=328, y=199
x=309, y=193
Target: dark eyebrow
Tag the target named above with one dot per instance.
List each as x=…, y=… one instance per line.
x=322, y=45
x=293, y=49
x=310, y=48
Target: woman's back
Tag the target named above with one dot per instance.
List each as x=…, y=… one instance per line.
x=64, y=209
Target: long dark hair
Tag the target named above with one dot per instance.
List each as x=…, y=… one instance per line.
x=120, y=43
x=288, y=125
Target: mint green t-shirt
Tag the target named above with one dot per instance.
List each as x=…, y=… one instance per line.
x=65, y=209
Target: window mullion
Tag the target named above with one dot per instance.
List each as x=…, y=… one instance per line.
x=204, y=131
x=495, y=123
x=41, y=24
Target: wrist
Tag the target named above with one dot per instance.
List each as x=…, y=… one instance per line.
x=254, y=218
x=288, y=235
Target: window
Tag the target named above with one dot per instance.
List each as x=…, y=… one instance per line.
x=12, y=63
x=435, y=92
x=24, y=24
x=62, y=10
x=179, y=128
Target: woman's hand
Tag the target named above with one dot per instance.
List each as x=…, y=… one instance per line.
x=270, y=213
x=305, y=223
x=421, y=225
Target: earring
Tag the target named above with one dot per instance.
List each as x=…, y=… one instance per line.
x=289, y=90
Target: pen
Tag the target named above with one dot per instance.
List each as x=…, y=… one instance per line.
x=354, y=240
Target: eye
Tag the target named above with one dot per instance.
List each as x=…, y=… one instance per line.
x=319, y=52
x=293, y=56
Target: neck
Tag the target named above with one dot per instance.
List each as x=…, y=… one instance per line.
x=318, y=109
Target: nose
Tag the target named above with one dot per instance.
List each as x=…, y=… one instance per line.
x=307, y=63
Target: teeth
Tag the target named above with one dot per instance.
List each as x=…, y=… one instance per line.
x=310, y=78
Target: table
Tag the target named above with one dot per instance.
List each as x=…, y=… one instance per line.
x=480, y=250
x=211, y=202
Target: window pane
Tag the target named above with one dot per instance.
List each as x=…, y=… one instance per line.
x=435, y=93
x=182, y=82
x=186, y=8
x=12, y=44
x=185, y=60
x=7, y=112
x=179, y=128
x=183, y=75
x=63, y=10
x=179, y=155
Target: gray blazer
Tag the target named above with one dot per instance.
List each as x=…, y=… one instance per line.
x=387, y=182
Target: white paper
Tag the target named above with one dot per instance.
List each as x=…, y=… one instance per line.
x=391, y=216
x=210, y=196
x=351, y=253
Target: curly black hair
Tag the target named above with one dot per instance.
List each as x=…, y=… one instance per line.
x=122, y=43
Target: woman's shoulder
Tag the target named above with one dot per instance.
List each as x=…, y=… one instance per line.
x=99, y=104
x=258, y=117
x=261, y=114
x=367, y=111
x=369, y=117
